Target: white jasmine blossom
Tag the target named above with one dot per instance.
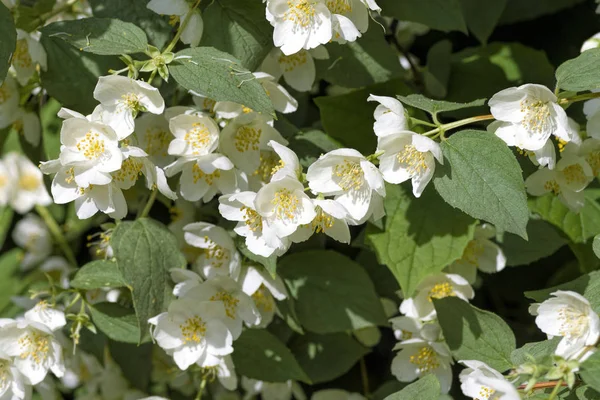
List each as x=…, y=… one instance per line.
x=31, y=234
x=28, y=55
x=331, y=219
x=179, y=11
x=195, y=136
x=27, y=188
x=479, y=381
x=153, y=136
x=272, y=390
x=288, y=165
x=298, y=69
x=12, y=386
x=591, y=43
x=406, y=328
x=390, y=116
x=224, y=370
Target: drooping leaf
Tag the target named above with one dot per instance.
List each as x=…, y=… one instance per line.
x=474, y=334
x=590, y=371
x=221, y=77
x=332, y=293
x=103, y=36
x=443, y=15
x=426, y=388
x=8, y=43
x=117, y=322
x=482, y=178
x=482, y=16
x=543, y=242
x=98, y=274
x=587, y=285
x=436, y=106
x=432, y=235
x=260, y=355
x=580, y=73
x=145, y=251
x=438, y=68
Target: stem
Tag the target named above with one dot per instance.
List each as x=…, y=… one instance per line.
x=457, y=124
x=556, y=389
x=201, y=388
x=417, y=121
x=364, y=376
x=57, y=233
x=152, y=75
x=149, y=204
x=580, y=97
x=542, y=385
x=375, y=155
x=182, y=27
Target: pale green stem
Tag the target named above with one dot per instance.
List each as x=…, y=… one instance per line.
x=149, y=204
x=181, y=28
x=57, y=234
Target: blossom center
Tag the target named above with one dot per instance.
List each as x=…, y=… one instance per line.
x=594, y=160
x=405, y=335
x=91, y=145
x=262, y=300
x=440, y=291
x=339, y=6
x=208, y=178
x=157, y=142
x=574, y=174
x=230, y=302
x=130, y=170
x=4, y=94
x=5, y=375
x=269, y=164
x=193, y=329
x=35, y=345
x=286, y=203
x=291, y=62
x=3, y=180
x=350, y=175
x=247, y=138
x=252, y=218
x=198, y=137
x=412, y=159
x=215, y=253
x=300, y=12
x=21, y=56
x=322, y=221
x=473, y=252
x=131, y=101
x=552, y=186
x=573, y=323
x=485, y=393
x=29, y=182
x=537, y=115
x=425, y=359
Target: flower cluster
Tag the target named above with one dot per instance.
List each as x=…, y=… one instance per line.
x=21, y=184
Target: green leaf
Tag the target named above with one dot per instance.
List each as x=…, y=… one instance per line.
x=348, y=118
x=474, y=334
x=145, y=251
x=221, y=77
x=543, y=242
x=367, y=61
x=98, y=274
x=482, y=16
x=579, y=227
x=332, y=292
x=260, y=355
x=6, y=217
x=596, y=245
x=73, y=89
x=580, y=73
x=443, y=15
x=103, y=36
x=432, y=234
x=117, y=322
x=135, y=362
x=240, y=29
x=135, y=11
x=29, y=15
x=8, y=43
x=586, y=258
x=587, y=285
x=438, y=68
x=311, y=144
x=270, y=263
x=436, y=106
x=426, y=388
x=537, y=350
x=518, y=10
x=590, y=371
x=10, y=283
x=326, y=357
x=481, y=177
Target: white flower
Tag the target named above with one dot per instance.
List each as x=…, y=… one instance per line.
x=284, y=206
x=418, y=357
x=243, y=139
x=331, y=219
x=589, y=149
x=28, y=124
x=569, y=315
x=59, y=269
x=190, y=331
x=92, y=149
x=272, y=390
x=437, y=286
x=280, y=97
x=408, y=155
x=218, y=255
x=122, y=98
x=12, y=386
x=389, y=116
x=180, y=9
x=299, y=24
x=349, y=18
x=6, y=184
x=195, y=136
x=239, y=307
x=479, y=381
x=567, y=181
x=288, y=165
x=480, y=254
x=28, y=54
x=298, y=69
x=591, y=43
x=336, y=394
x=355, y=182
x=31, y=234
x=9, y=102
x=264, y=289
x=591, y=109
x=406, y=328
x=153, y=136
x=32, y=343
x=533, y=114
x=28, y=189
x=224, y=370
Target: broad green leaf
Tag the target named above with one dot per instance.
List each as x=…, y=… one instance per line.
x=518, y=10
x=135, y=11
x=474, y=334
x=426, y=388
x=584, y=252
x=117, y=322
x=482, y=178
x=438, y=68
x=579, y=227
x=103, y=36
x=436, y=106
x=443, y=15
x=326, y=357
x=10, y=282
x=145, y=251
x=367, y=61
x=260, y=355
x=590, y=371
x=8, y=43
x=536, y=350
x=543, y=242
x=482, y=16
x=135, y=362
x=221, y=77
x=348, y=118
x=332, y=293
x=388, y=388
x=432, y=235
x=29, y=15
x=72, y=75
x=587, y=285
x=6, y=217
x=98, y=274
x=240, y=29
x=596, y=245
x=580, y=73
